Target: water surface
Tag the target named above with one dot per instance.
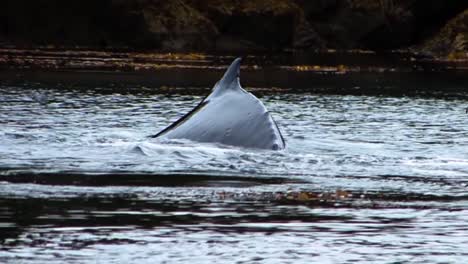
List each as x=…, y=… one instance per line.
x=368, y=179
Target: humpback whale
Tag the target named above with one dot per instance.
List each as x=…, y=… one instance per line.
x=229, y=115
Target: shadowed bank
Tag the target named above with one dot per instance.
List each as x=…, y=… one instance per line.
x=429, y=26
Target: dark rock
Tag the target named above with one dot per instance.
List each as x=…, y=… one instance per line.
x=68, y=23
x=241, y=25
x=176, y=25
x=408, y=23
x=451, y=40
x=258, y=24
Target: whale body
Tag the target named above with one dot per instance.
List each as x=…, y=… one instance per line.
x=229, y=115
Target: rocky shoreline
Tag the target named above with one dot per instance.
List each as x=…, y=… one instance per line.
x=347, y=72
x=327, y=61
x=431, y=27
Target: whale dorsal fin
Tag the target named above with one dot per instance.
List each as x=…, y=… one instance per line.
x=230, y=116
x=230, y=80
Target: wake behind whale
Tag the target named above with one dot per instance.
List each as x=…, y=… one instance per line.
x=230, y=116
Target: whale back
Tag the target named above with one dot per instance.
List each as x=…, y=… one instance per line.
x=228, y=115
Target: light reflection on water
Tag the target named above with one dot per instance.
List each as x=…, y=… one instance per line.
x=82, y=182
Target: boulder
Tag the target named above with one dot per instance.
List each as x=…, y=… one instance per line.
x=452, y=40
x=254, y=24
x=175, y=25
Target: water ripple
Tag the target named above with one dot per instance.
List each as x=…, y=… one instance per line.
x=366, y=179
